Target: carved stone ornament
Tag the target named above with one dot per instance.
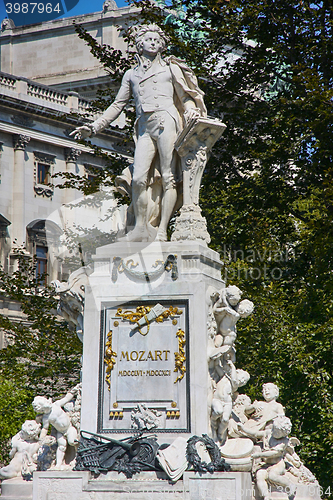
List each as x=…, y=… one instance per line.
x=128, y=267
x=217, y=463
x=109, y=5
x=180, y=357
x=129, y=456
x=145, y=418
x=44, y=157
x=71, y=295
x=193, y=146
x=7, y=24
x=190, y=225
x=72, y=154
x=144, y=315
x=109, y=359
x=43, y=190
x=20, y=141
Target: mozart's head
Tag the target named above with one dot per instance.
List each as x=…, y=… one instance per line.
x=144, y=33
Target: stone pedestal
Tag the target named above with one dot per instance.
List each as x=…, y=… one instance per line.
x=163, y=363
x=144, y=486
x=16, y=489
x=145, y=368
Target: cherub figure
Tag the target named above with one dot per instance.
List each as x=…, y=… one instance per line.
x=143, y=417
x=25, y=445
x=227, y=310
x=53, y=413
x=221, y=407
x=271, y=468
x=262, y=412
x=241, y=401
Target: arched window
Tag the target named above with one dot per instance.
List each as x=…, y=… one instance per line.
x=42, y=236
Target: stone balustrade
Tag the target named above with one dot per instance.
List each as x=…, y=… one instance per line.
x=48, y=95
x=7, y=81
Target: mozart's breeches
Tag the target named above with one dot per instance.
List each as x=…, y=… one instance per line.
x=156, y=132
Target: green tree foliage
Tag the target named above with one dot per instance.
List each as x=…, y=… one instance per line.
x=42, y=356
x=15, y=408
x=267, y=196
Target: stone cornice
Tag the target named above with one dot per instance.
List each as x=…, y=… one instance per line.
x=44, y=137
x=53, y=139
x=53, y=114
x=44, y=157
x=66, y=24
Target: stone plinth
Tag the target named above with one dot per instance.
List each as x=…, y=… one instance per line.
x=16, y=489
x=144, y=486
x=162, y=364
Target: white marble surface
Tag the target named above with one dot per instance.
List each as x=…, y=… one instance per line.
x=143, y=486
x=198, y=268
x=16, y=489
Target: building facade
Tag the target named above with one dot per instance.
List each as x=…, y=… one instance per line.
x=47, y=77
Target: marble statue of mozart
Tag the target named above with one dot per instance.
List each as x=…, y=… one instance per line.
x=166, y=96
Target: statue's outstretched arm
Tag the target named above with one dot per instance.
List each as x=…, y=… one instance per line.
x=110, y=114
x=113, y=111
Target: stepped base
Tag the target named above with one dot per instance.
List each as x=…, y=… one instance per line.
x=16, y=489
x=144, y=486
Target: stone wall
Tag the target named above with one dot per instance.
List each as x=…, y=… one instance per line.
x=52, y=53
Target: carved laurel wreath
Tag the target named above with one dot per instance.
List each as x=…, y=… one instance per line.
x=217, y=463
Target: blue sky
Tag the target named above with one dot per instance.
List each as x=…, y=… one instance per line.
x=83, y=6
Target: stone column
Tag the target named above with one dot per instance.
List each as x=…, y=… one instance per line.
x=193, y=146
x=71, y=156
x=18, y=230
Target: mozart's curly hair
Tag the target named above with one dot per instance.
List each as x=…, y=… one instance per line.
x=147, y=28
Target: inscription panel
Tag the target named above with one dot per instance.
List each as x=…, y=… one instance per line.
x=144, y=367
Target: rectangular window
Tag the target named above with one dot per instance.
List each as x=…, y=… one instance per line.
x=91, y=177
x=41, y=264
x=43, y=173
x=92, y=172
